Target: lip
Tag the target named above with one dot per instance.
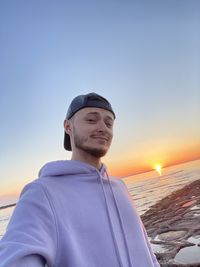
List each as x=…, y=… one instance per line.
x=101, y=138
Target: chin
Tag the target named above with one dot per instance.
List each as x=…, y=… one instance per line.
x=97, y=152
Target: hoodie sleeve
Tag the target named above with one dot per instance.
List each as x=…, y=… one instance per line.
x=156, y=264
x=154, y=259
x=31, y=238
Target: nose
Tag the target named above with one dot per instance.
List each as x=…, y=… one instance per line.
x=102, y=126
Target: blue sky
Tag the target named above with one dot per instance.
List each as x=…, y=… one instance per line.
x=142, y=55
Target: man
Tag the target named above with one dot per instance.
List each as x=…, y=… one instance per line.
x=75, y=215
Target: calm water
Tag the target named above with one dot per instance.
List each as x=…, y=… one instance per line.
x=146, y=189
x=4, y=219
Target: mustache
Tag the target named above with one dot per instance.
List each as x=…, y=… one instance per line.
x=102, y=136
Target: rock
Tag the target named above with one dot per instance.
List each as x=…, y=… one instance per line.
x=173, y=225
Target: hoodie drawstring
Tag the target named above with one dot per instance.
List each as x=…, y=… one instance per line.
x=110, y=223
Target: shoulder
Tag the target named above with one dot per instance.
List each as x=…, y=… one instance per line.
x=118, y=181
x=33, y=192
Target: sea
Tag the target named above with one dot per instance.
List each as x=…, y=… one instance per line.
x=146, y=189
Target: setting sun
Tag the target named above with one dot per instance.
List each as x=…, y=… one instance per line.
x=158, y=168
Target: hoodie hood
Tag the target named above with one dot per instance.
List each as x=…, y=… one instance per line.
x=68, y=167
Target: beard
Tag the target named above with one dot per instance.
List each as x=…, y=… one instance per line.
x=95, y=152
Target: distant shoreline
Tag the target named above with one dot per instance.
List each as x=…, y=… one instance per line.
x=7, y=206
x=145, y=172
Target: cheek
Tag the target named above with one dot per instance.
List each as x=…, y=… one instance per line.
x=111, y=133
x=79, y=129
x=83, y=133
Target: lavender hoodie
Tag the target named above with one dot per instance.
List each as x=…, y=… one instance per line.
x=75, y=216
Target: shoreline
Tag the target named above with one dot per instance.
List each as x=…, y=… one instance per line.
x=173, y=226
x=7, y=206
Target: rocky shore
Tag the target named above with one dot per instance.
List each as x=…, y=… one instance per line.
x=173, y=225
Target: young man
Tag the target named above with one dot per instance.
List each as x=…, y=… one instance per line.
x=75, y=215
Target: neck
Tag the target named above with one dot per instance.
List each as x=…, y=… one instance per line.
x=87, y=158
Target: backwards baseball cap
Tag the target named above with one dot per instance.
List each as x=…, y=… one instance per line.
x=85, y=101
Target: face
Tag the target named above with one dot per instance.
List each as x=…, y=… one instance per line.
x=91, y=131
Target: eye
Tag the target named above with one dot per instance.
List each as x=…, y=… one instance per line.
x=109, y=125
x=90, y=120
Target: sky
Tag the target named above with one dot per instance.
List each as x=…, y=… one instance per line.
x=143, y=56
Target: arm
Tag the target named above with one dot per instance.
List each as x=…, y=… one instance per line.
x=30, y=239
x=153, y=257
x=156, y=264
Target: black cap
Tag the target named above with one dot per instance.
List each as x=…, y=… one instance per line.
x=85, y=101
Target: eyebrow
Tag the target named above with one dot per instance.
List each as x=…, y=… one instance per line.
x=96, y=113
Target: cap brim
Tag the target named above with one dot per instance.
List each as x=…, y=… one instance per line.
x=67, y=143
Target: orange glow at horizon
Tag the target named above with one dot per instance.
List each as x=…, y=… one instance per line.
x=129, y=165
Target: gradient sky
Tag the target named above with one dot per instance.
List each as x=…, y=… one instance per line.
x=143, y=56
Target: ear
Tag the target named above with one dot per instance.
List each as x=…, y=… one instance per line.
x=67, y=126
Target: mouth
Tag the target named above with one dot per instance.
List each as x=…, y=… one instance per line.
x=103, y=138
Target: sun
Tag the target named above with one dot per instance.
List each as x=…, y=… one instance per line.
x=158, y=168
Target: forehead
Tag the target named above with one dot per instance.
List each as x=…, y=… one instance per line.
x=95, y=111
